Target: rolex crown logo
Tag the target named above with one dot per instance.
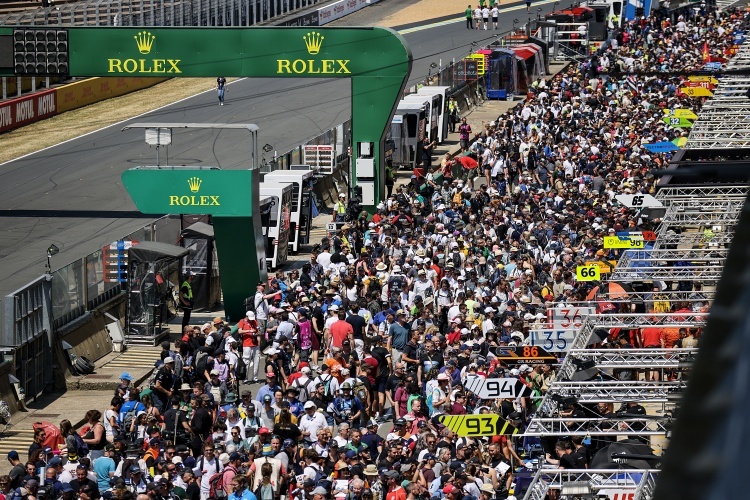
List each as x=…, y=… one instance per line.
x=144, y=40
x=313, y=42
x=195, y=184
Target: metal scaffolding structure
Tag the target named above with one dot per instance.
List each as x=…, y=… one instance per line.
x=641, y=482
x=617, y=426
x=670, y=194
x=724, y=121
x=619, y=391
x=704, y=272
x=669, y=295
x=693, y=239
x=671, y=320
x=613, y=359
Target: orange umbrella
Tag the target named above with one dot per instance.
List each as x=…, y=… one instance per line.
x=592, y=293
x=616, y=291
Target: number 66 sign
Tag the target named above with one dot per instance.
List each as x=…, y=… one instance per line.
x=478, y=425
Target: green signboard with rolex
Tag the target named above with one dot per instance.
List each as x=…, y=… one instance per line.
x=237, y=228
x=376, y=60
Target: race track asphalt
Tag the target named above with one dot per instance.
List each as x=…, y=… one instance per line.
x=84, y=173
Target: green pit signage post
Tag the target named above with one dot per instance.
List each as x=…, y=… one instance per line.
x=377, y=60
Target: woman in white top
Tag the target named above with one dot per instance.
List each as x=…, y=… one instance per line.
x=111, y=419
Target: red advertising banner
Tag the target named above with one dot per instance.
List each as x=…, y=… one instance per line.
x=24, y=110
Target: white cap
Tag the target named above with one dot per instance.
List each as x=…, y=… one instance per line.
x=168, y=359
x=250, y=315
x=310, y=404
x=342, y=195
x=514, y=372
x=214, y=372
x=524, y=368
x=305, y=369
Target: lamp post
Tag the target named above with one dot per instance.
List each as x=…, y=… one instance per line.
x=51, y=250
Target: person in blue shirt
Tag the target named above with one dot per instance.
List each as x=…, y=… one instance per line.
x=295, y=405
x=270, y=388
x=240, y=490
x=104, y=468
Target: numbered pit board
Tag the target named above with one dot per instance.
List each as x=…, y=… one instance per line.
x=638, y=201
x=552, y=340
x=494, y=388
x=524, y=355
x=605, y=266
x=588, y=273
x=478, y=425
x=331, y=227
x=696, y=92
x=635, y=235
x=571, y=317
x=617, y=242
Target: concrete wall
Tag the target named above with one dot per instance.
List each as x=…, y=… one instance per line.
x=88, y=337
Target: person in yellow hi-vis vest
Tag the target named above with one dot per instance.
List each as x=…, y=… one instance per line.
x=339, y=209
x=186, y=298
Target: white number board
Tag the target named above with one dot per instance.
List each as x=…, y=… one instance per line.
x=638, y=201
x=552, y=340
x=493, y=388
x=562, y=318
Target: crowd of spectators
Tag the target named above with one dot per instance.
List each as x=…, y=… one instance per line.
x=363, y=349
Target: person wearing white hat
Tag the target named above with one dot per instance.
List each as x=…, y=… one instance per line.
x=311, y=422
x=248, y=330
x=339, y=208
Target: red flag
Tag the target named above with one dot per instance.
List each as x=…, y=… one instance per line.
x=706, y=53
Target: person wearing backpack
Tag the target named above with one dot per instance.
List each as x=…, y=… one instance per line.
x=221, y=483
x=205, y=467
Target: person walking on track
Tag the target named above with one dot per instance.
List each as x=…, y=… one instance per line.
x=221, y=84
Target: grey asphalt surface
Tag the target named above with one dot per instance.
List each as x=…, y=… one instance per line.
x=84, y=173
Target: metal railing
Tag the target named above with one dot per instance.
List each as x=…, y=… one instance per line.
x=598, y=479
x=158, y=13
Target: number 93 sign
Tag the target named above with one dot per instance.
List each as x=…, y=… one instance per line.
x=478, y=425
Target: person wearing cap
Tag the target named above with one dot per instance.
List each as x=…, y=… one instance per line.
x=311, y=422
x=339, y=209
x=161, y=391
x=17, y=471
x=261, y=310
x=123, y=390
x=248, y=330
x=394, y=489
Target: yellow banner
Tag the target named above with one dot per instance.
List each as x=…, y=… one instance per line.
x=616, y=242
x=701, y=78
x=478, y=425
x=603, y=267
x=696, y=92
x=588, y=272
x=682, y=113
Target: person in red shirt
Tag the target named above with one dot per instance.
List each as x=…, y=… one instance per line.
x=250, y=335
x=341, y=330
x=395, y=491
x=651, y=338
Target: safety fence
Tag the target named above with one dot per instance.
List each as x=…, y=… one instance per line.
x=158, y=13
